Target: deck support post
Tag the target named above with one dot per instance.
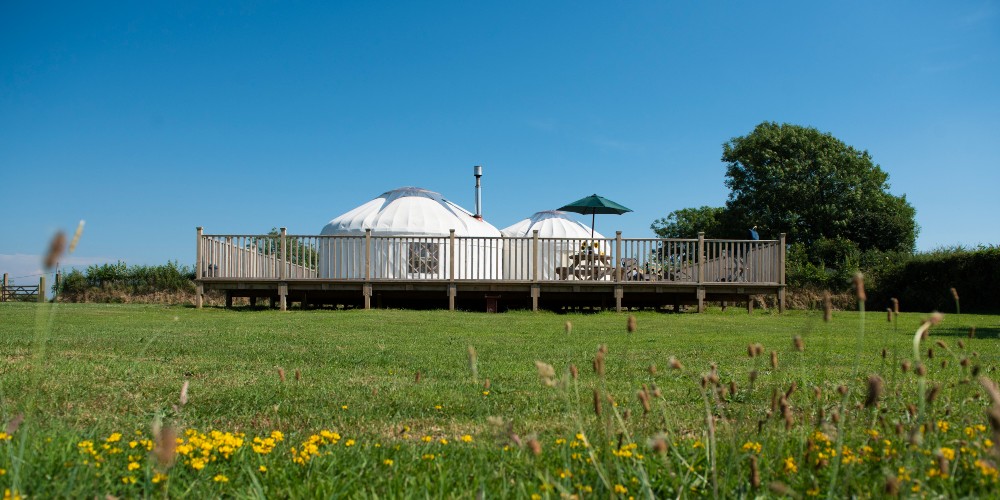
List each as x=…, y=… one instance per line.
x=229, y=299
x=619, y=293
x=781, y=300
x=536, y=291
x=253, y=301
x=283, y=296
x=273, y=301
x=452, y=292
x=367, y=291
x=701, y=299
x=199, y=296
x=749, y=304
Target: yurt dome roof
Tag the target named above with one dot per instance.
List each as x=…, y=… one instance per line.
x=410, y=211
x=550, y=224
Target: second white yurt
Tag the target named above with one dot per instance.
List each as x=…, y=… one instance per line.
x=410, y=239
x=561, y=240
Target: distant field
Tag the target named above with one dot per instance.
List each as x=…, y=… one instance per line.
x=82, y=372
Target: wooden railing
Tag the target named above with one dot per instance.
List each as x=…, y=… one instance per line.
x=369, y=257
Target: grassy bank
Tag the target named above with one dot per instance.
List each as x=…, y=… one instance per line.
x=468, y=422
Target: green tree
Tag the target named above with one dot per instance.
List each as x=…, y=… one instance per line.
x=812, y=186
x=688, y=222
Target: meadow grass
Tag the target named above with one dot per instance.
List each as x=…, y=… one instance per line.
x=396, y=403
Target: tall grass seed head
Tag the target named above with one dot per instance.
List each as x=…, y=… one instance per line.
x=774, y=360
x=875, y=386
x=798, y=343
x=859, y=287
x=56, y=249
x=630, y=325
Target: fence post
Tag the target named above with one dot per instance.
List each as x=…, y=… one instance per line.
x=55, y=293
x=536, y=289
x=534, y=255
x=199, y=265
x=368, y=255
x=452, y=290
x=283, y=269
x=41, y=288
x=3, y=291
x=618, y=256
x=701, y=271
x=781, y=273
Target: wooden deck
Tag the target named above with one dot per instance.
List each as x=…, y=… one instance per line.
x=453, y=272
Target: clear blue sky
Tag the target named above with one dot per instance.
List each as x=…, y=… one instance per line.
x=148, y=119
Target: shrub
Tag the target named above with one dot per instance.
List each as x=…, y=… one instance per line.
x=924, y=281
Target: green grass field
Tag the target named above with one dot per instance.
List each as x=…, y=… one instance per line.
x=355, y=418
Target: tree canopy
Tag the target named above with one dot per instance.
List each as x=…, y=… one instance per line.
x=797, y=180
x=688, y=222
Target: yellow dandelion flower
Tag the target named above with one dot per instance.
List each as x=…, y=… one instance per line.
x=349, y=442
x=220, y=479
x=437, y=407
x=133, y=444
x=428, y=456
x=344, y=407
x=943, y=425
x=789, y=465
x=948, y=453
x=443, y=441
x=486, y=393
x=277, y=436
x=114, y=437
x=621, y=490
x=159, y=478
x=133, y=466
x=466, y=438
x=388, y=462
x=129, y=480
x=427, y=439
x=536, y=496
x=262, y=468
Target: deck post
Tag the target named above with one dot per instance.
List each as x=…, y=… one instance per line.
x=41, y=288
x=283, y=266
x=367, y=291
x=701, y=271
x=229, y=299
x=534, y=263
x=283, y=296
x=619, y=293
x=536, y=291
x=618, y=262
x=451, y=258
x=368, y=262
x=749, y=304
x=452, y=289
x=781, y=273
x=198, y=265
x=199, y=295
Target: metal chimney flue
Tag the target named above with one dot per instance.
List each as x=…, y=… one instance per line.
x=478, y=172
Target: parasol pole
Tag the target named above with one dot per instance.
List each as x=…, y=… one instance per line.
x=593, y=216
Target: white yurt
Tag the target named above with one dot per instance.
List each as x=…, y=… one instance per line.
x=410, y=230
x=570, y=238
